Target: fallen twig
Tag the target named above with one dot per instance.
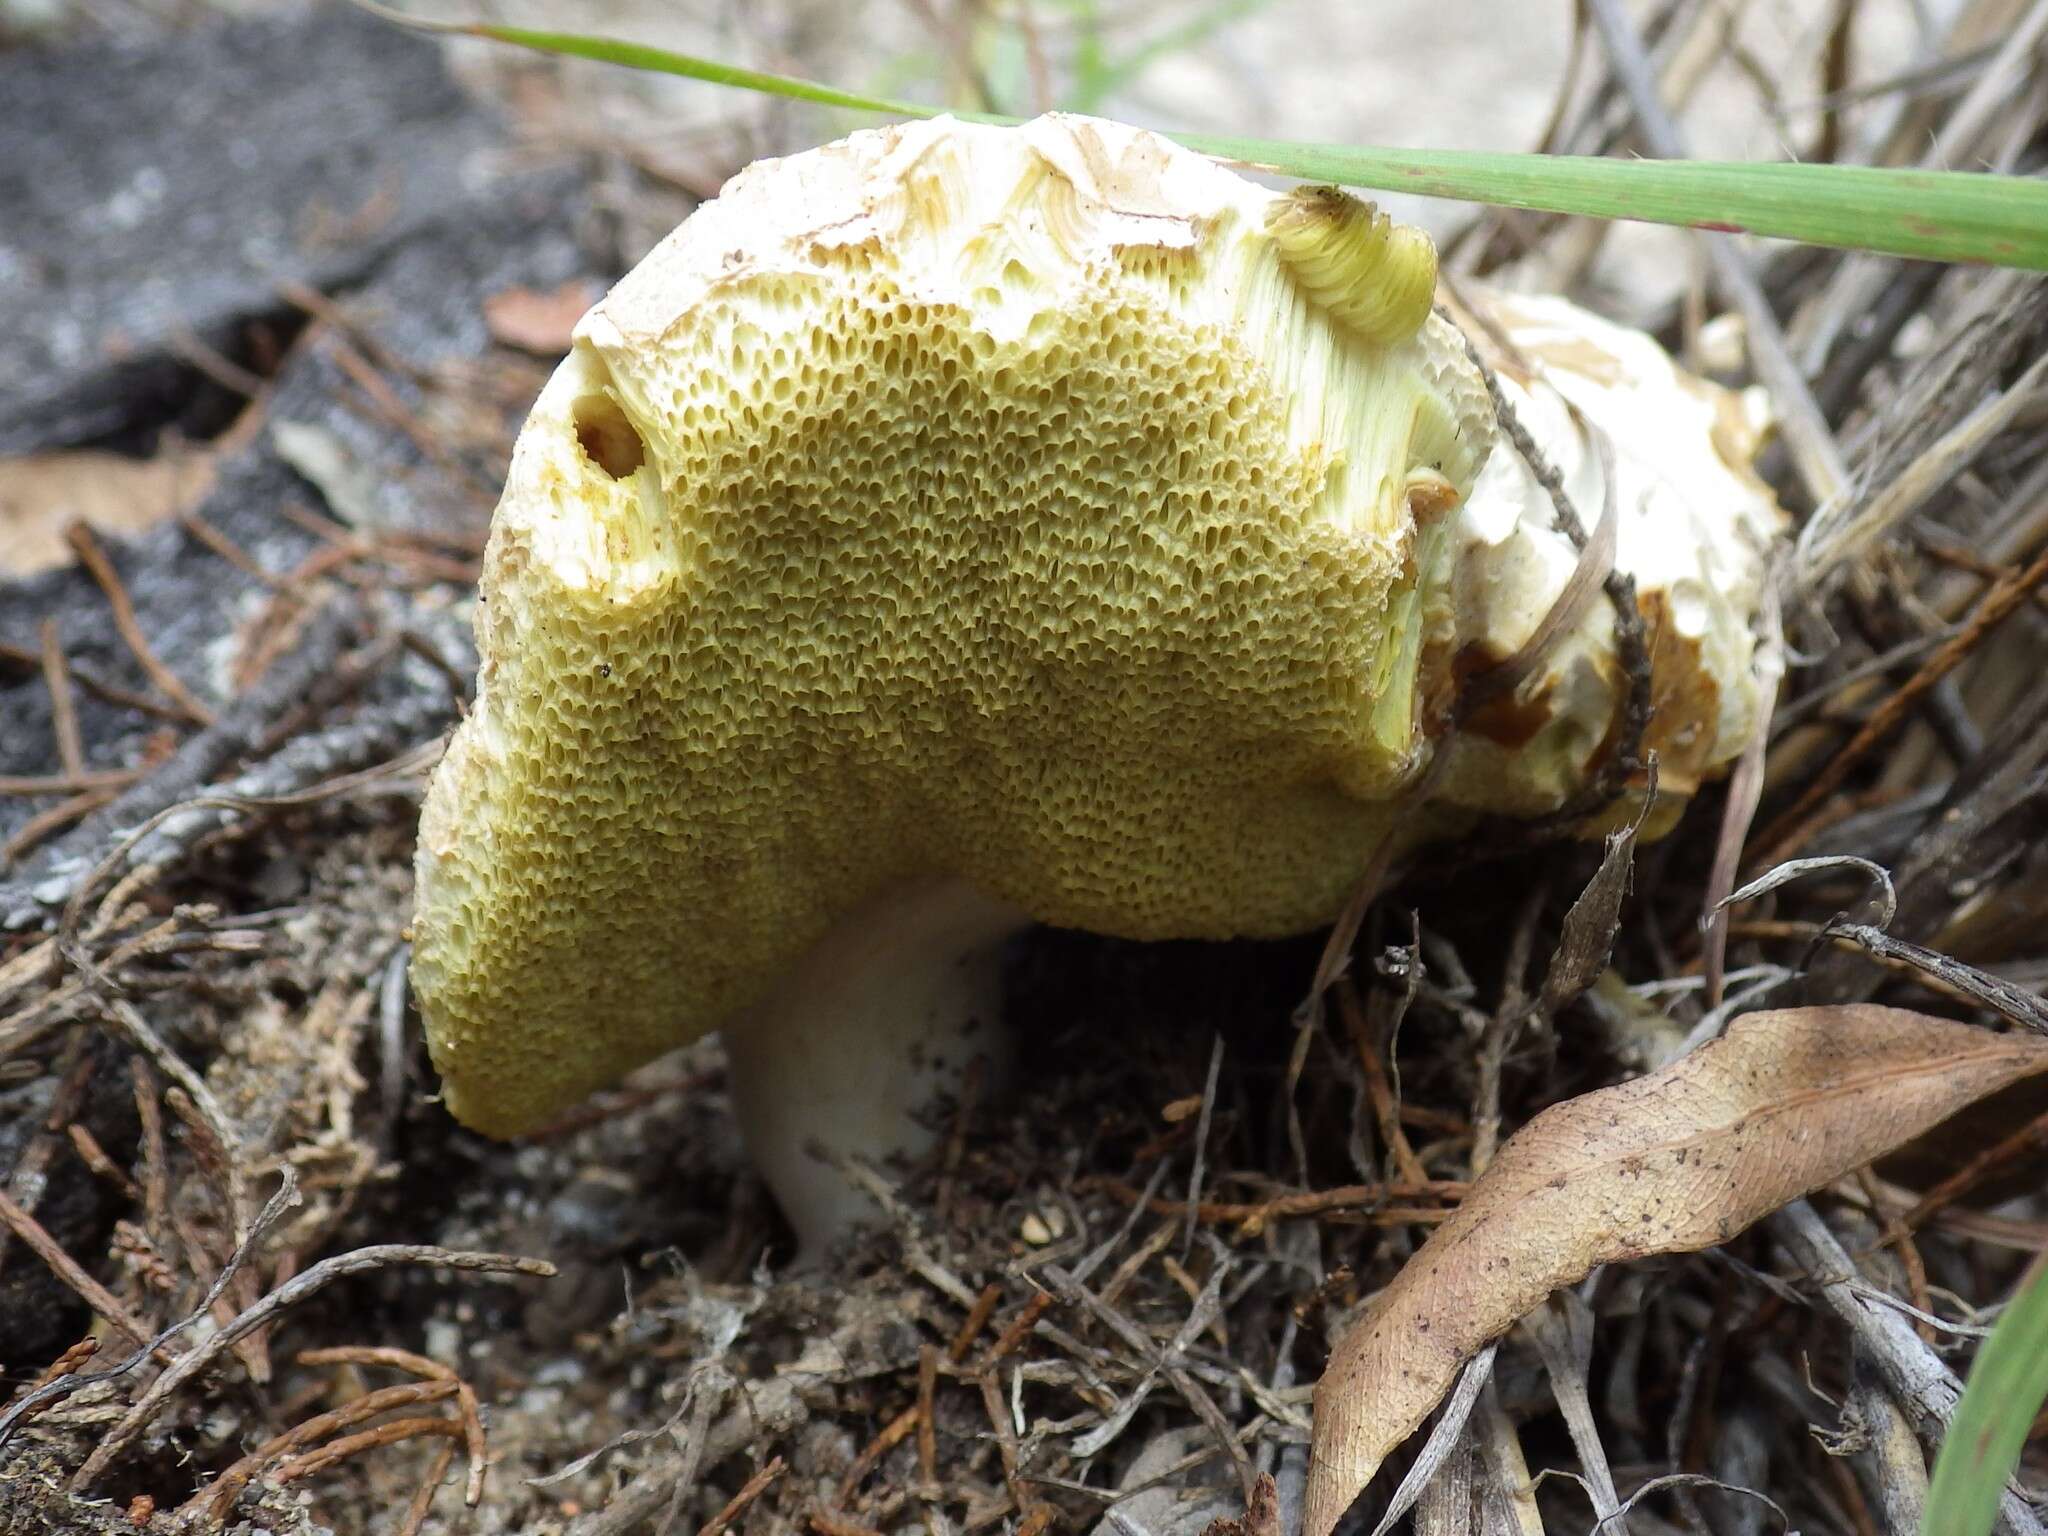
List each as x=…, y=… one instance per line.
x=1375, y=1198
x=1915, y=1373
x=426, y=1370
x=918, y=1415
x=287, y=1196
x=241, y=728
x=126, y=1022
x=751, y=1490
x=65, y=1268
x=49, y=822
x=1997, y=604
x=99, y=687
x=2001, y=997
x=217, y=1496
x=82, y=782
x=63, y=712
x=94, y=559
x=765, y=1411
x=390, y=1433
x=2033, y=1136
x=830, y=1523
x=423, y=1500
x=308, y=1283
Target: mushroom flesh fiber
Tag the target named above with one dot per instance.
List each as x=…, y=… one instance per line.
x=955, y=527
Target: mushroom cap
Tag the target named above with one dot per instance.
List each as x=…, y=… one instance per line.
x=949, y=500
x=1046, y=508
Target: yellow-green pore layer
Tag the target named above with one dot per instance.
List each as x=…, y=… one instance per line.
x=948, y=501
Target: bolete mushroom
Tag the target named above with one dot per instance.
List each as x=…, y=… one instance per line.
x=957, y=527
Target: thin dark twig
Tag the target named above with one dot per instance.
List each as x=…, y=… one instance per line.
x=295, y=1290
x=389, y=1433
x=97, y=686
x=1194, y=1202
x=286, y=1197
x=308, y=672
x=65, y=1268
x=754, y=1487
x=2000, y=996
x=423, y=1500
x=126, y=1021
x=27, y=1181
x=74, y=906
x=218, y=1496
x=86, y=782
x=45, y=823
x=2032, y=1136
x=1631, y=639
x=63, y=711
x=1993, y=608
x=426, y=1370
x=95, y=560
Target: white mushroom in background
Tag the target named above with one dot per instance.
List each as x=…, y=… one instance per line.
x=953, y=528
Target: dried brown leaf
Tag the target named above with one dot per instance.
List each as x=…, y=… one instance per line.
x=1587, y=942
x=42, y=493
x=537, y=322
x=1676, y=1161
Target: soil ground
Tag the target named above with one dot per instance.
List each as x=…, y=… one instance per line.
x=275, y=292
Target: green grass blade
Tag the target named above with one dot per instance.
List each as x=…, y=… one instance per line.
x=1961, y=216
x=1933, y=215
x=608, y=50
x=2007, y=1386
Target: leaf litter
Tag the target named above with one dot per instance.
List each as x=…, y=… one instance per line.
x=1682, y=1159
x=1033, y=1342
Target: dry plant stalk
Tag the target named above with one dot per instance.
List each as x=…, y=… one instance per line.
x=218, y=1496
x=288, y=1451
x=1680, y=1160
x=293, y=1291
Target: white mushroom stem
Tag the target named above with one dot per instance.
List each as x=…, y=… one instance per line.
x=865, y=1043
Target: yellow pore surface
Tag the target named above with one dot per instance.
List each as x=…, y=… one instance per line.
x=947, y=501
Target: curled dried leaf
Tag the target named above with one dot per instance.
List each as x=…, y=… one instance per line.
x=1676, y=1161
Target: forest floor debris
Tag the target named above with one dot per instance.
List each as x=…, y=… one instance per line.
x=230, y=1208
